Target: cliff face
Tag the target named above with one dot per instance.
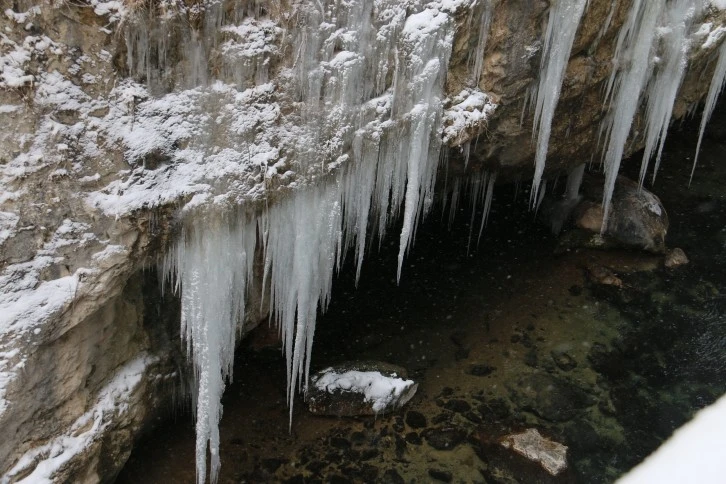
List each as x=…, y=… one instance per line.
x=122, y=120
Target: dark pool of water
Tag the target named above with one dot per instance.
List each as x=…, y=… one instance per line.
x=626, y=365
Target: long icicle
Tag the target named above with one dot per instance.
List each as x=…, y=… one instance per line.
x=717, y=84
x=625, y=87
x=667, y=80
x=564, y=19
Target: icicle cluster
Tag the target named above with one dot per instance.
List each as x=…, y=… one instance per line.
x=369, y=78
x=650, y=61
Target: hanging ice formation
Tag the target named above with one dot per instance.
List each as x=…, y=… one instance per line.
x=368, y=80
x=717, y=84
x=624, y=88
x=369, y=77
x=476, y=57
x=663, y=88
x=564, y=18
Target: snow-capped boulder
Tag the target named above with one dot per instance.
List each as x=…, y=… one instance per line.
x=359, y=388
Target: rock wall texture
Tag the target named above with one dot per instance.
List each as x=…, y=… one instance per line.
x=102, y=106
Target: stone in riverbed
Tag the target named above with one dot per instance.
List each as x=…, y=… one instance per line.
x=359, y=388
x=551, y=398
x=675, y=257
x=552, y=456
x=444, y=438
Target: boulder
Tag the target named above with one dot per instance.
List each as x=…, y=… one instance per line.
x=359, y=388
x=637, y=218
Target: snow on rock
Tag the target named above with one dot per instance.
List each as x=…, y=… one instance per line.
x=466, y=116
x=8, y=222
x=344, y=390
x=40, y=464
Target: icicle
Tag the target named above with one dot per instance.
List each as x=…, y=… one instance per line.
x=664, y=86
x=426, y=44
x=485, y=19
x=717, y=84
x=624, y=88
x=455, y=194
x=477, y=193
x=487, y=204
x=564, y=18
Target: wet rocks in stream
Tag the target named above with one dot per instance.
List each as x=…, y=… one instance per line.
x=549, y=397
x=563, y=360
x=675, y=258
x=444, y=438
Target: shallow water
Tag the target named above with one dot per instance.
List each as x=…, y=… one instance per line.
x=485, y=333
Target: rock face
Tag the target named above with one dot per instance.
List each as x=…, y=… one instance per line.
x=108, y=142
x=359, y=388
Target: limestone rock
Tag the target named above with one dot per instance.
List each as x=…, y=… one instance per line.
x=551, y=455
x=359, y=388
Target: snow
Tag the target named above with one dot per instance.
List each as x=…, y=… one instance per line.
x=714, y=36
x=377, y=389
x=693, y=454
x=719, y=4
x=8, y=222
x=45, y=461
x=468, y=111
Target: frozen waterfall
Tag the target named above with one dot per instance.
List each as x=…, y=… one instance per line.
x=363, y=146
x=370, y=79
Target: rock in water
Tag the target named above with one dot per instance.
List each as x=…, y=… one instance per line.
x=552, y=456
x=359, y=388
x=637, y=217
x=675, y=257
